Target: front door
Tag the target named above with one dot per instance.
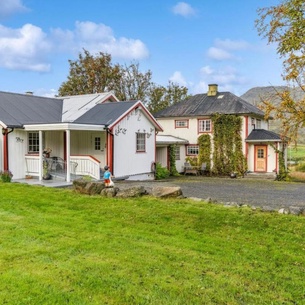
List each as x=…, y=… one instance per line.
x=260, y=158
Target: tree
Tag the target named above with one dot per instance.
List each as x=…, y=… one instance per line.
x=284, y=25
x=162, y=97
x=91, y=74
x=133, y=85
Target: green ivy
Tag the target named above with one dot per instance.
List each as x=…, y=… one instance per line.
x=283, y=174
x=228, y=156
x=172, y=160
x=204, y=142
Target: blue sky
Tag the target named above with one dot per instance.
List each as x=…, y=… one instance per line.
x=192, y=43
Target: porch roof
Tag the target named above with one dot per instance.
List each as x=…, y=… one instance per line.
x=169, y=140
x=64, y=126
x=262, y=135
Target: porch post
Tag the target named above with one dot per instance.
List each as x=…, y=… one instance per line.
x=68, y=154
x=40, y=169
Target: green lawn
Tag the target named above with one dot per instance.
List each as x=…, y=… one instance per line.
x=58, y=247
x=296, y=153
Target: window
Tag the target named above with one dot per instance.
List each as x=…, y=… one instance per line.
x=192, y=150
x=33, y=144
x=141, y=143
x=258, y=124
x=181, y=124
x=97, y=143
x=204, y=125
x=177, y=152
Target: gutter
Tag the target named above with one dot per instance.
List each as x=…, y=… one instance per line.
x=5, y=133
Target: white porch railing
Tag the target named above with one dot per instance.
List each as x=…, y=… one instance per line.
x=86, y=165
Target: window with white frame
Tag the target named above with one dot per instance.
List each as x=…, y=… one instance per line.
x=33, y=142
x=97, y=143
x=258, y=123
x=141, y=142
x=181, y=124
x=192, y=150
x=204, y=125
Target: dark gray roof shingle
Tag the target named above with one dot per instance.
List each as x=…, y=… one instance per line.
x=106, y=113
x=17, y=110
x=204, y=105
x=263, y=135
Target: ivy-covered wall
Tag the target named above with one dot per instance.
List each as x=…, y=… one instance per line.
x=223, y=152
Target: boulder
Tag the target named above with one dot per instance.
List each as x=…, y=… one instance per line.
x=135, y=191
x=166, y=191
x=109, y=192
x=88, y=187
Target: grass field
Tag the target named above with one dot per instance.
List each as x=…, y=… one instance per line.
x=58, y=247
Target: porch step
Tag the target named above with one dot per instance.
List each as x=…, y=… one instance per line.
x=260, y=176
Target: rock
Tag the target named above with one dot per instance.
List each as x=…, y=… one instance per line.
x=296, y=210
x=88, y=187
x=166, y=191
x=196, y=199
x=109, y=192
x=283, y=211
x=135, y=191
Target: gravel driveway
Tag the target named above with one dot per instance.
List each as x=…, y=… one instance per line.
x=254, y=192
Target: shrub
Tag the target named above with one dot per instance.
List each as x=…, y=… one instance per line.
x=6, y=176
x=161, y=172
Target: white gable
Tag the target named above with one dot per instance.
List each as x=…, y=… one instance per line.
x=77, y=105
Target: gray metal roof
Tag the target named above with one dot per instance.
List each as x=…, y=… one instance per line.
x=261, y=135
x=77, y=105
x=204, y=105
x=106, y=113
x=19, y=109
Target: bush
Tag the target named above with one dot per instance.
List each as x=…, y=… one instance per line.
x=6, y=176
x=161, y=172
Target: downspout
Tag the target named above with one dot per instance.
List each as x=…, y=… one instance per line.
x=5, y=134
x=109, y=144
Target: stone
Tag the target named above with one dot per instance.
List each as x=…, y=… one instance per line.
x=166, y=191
x=296, y=210
x=109, y=192
x=283, y=211
x=135, y=191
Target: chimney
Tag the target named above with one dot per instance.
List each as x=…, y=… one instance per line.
x=213, y=90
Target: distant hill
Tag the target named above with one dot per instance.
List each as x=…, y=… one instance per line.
x=257, y=94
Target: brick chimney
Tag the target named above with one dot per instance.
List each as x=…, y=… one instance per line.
x=213, y=89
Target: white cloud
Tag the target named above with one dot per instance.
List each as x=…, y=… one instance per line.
x=28, y=47
x=206, y=70
x=233, y=45
x=99, y=38
x=225, y=49
x=226, y=77
x=24, y=48
x=9, y=7
x=183, y=9
x=219, y=54
x=177, y=78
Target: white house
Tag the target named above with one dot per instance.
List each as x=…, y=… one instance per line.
x=84, y=132
x=192, y=117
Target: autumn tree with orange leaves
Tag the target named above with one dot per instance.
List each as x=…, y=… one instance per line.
x=284, y=25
